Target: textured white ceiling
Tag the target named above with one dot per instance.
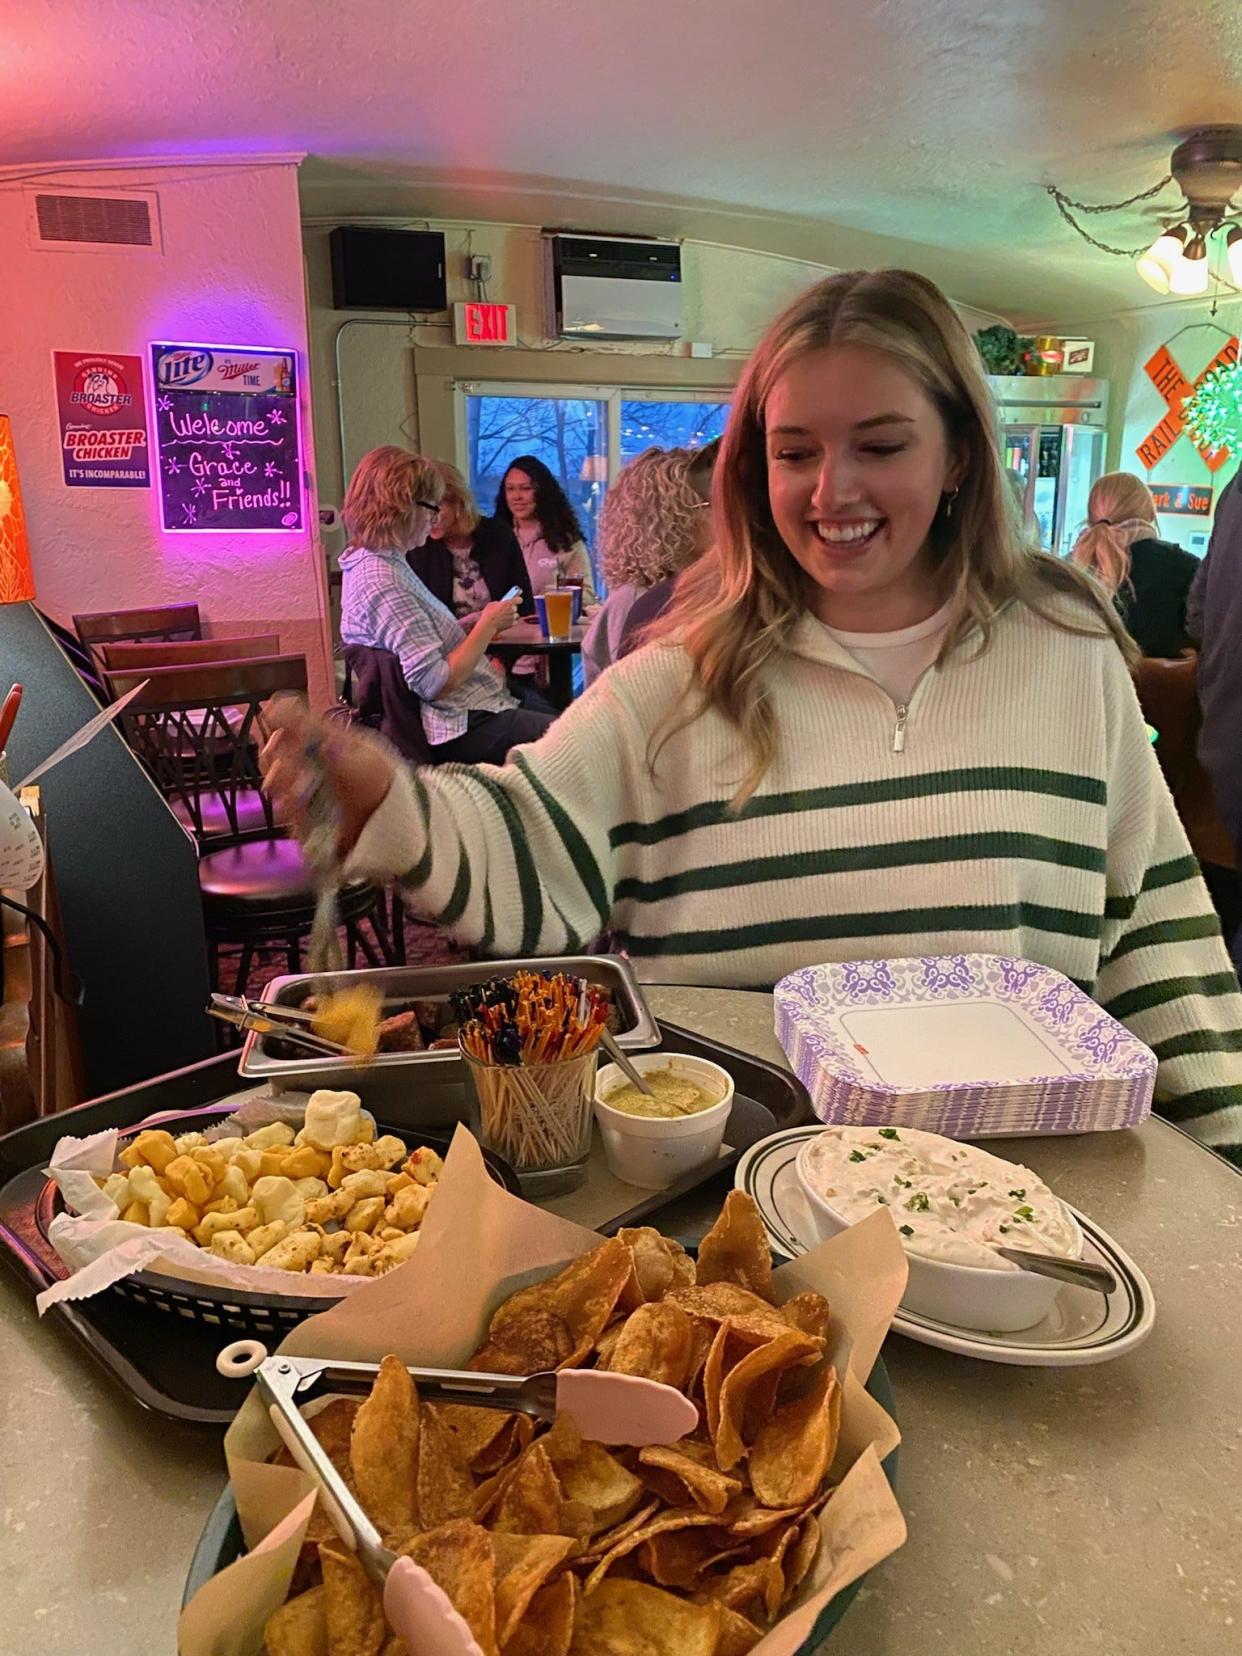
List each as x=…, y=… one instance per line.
x=847, y=131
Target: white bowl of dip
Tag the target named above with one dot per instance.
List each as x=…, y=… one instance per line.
x=953, y=1205
x=654, y=1151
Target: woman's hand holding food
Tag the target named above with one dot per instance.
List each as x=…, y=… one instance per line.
x=360, y=766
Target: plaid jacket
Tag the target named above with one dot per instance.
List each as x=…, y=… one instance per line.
x=386, y=606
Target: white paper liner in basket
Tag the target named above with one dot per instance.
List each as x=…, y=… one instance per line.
x=412, y=1312
x=100, y=1248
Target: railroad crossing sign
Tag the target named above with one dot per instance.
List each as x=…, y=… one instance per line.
x=1174, y=387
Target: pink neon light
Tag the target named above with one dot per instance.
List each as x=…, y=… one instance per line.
x=154, y=390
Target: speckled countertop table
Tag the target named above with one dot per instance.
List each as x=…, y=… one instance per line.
x=1064, y=1512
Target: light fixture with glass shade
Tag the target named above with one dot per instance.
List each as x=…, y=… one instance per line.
x=1155, y=265
x=1189, y=275
x=1207, y=168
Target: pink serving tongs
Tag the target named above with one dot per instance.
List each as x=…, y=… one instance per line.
x=606, y=1408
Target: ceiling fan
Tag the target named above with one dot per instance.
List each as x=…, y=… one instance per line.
x=1207, y=168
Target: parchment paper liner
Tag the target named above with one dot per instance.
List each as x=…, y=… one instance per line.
x=479, y=1244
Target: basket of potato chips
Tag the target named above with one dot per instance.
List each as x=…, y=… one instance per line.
x=738, y=1537
x=273, y=1210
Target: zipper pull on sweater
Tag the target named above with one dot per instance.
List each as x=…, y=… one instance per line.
x=899, y=729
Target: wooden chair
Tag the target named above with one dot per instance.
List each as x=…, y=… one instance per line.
x=166, y=621
x=186, y=652
x=1166, y=692
x=113, y=658
x=195, y=729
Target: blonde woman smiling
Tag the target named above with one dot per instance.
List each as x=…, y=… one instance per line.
x=876, y=724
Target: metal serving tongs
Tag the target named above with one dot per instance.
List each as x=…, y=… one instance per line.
x=273, y=1011
x=607, y=1408
x=260, y=1019
x=296, y=1015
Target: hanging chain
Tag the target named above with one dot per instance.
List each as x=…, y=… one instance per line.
x=1064, y=204
x=1111, y=206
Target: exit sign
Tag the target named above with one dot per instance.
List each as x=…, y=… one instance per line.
x=478, y=323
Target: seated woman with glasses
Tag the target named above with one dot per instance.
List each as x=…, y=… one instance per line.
x=468, y=715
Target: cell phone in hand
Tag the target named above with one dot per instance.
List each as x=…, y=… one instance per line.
x=513, y=592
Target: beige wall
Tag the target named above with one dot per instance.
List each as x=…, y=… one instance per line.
x=395, y=381
x=228, y=273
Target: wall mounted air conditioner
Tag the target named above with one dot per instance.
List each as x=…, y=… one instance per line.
x=598, y=287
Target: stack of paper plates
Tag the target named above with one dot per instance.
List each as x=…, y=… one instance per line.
x=967, y=1045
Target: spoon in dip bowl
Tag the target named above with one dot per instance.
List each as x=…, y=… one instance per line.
x=1078, y=1271
x=635, y=1076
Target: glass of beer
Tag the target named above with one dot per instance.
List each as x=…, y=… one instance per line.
x=558, y=606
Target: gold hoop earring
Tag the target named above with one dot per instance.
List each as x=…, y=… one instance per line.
x=948, y=502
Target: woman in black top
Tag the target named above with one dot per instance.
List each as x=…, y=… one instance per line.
x=1149, y=578
x=469, y=561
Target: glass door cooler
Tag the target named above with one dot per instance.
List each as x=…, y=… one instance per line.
x=1052, y=432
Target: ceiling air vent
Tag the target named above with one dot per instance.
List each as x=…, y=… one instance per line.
x=87, y=221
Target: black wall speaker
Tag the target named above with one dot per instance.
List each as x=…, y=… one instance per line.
x=401, y=270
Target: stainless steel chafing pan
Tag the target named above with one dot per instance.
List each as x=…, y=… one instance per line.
x=425, y=1088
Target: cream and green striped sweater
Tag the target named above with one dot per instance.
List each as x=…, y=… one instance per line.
x=1019, y=810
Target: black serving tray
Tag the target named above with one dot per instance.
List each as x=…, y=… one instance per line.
x=167, y=1362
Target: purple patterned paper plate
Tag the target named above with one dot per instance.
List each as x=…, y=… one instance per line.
x=967, y=1045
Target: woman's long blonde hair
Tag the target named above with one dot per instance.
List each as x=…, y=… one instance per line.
x=646, y=529
x=736, y=607
x=1120, y=510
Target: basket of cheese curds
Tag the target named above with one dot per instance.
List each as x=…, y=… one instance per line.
x=258, y=1216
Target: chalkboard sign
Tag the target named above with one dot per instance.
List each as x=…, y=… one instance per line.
x=226, y=423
